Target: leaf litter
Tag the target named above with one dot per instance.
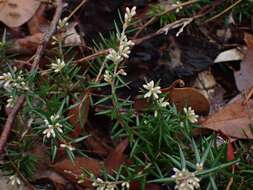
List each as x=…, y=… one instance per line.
x=188, y=62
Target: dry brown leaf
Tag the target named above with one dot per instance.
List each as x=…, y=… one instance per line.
x=181, y=97
x=116, y=157
x=244, y=77
x=38, y=23
x=14, y=13
x=72, y=171
x=233, y=120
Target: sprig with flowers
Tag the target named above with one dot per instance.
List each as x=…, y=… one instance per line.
x=116, y=56
x=114, y=61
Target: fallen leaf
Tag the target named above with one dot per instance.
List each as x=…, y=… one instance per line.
x=72, y=171
x=187, y=96
x=244, y=77
x=14, y=13
x=181, y=97
x=233, y=120
x=38, y=23
x=116, y=157
x=229, y=55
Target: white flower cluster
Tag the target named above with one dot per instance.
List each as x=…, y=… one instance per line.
x=190, y=114
x=107, y=185
x=52, y=126
x=58, y=65
x=108, y=77
x=130, y=13
x=62, y=23
x=124, y=44
x=123, y=51
x=14, y=180
x=153, y=91
x=178, y=6
x=185, y=180
x=14, y=80
x=11, y=102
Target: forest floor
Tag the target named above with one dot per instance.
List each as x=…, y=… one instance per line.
x=134, y=94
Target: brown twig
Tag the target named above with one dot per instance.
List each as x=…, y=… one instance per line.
x=223, y=12
x=76, y=9
x=92, y=56
x=150, y=21
x=20, y=101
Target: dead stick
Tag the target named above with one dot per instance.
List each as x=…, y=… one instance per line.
x=92, y=56
x=20, y=101
x=223, y=12
x=150, y=21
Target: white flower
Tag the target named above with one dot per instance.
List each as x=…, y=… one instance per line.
x=122, y=72
x=162, y=103
x=199, y=167
x=178, y=6
x=50, y=131
x=114, y=56
x=11, y=102
x=108, y=77
x=190, y=114
x=58, y=65
x=129, y=14
x=125, y=184
x=152, y=90
x=99, y=183
x=52, y=126
x=14, y=180
x=67, y=146
x=185, y=180
x=55, y=40
x=54, y=117
x=7, y=78
x=103, y=185
x=16, y=80
x=62, y=23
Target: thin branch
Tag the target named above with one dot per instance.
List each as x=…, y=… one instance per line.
x=20, y=101
x=92, y=56
x=150, y=21
x=223, y=12
x=76, y=9
x=9, y=122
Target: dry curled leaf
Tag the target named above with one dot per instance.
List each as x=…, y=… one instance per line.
x=233, y=120
x=14, y=13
